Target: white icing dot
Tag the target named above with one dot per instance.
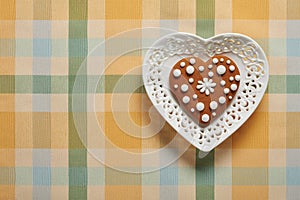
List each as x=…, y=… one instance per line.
x=190, y=70
x=226, y=90
x=175, y=86
x=233, y=87
x=192, y=109
x=221, y=59
x=191, y=80
x=195, y=96
x=200, y=106
x=182, y=64
x=184, y=87
x=214, y=114
x=231, y=78
x=231, y=68
x=237, y=77
x=176, y=73
x=210, y=74
x=222, y=100
x=213, y=105
x=192, y=61
x=222, y=82
x=201, y=68
x=228, y=62
x=186, y=99
x=221, y=69
x=210, y=66
x=215, y=60
x=230, y=97
x=205, y=118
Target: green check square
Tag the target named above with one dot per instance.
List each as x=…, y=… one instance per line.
x=293, y=84
x=23, y=84
x=59, y=176
x=96, y=176
x=7, y=175
x=42, y=84
x=24, y=176
x=59, y=84
x=277, y=84
x=7, y=84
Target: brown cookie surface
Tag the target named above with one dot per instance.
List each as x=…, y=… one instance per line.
x=204, y=89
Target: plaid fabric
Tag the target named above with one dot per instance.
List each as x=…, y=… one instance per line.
x=44, y=42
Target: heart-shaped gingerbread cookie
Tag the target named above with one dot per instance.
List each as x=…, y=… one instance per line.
x=205, y=88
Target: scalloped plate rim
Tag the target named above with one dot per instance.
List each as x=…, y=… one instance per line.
x=206, y=40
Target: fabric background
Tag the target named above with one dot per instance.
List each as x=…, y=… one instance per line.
x=43, y=43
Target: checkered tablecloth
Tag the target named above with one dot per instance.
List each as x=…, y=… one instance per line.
x=43, y=44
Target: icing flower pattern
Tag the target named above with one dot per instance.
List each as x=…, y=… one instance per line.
x=207, y=86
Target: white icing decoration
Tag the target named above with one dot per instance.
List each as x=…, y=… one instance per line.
x=206, y=86
x=215, y=60
x=214, y=114
x=231, y=78
x=205, y=118
x=228, y=62
x=186, y=99
x=210, y=74
x=237, y=77
x=192, y=109
x=201, y=68
x=190, y=70
x=221, y=69
x=192, y=61
x=191, y=80
x=195, y=96
x=221, y=59
x=231, y=68
x=226, y=90
x=200, y=106
x=182, y=64
x=222, y=82
x=233, y=87
x=213, y=105
x=175, y=86
x=209, y=66
x=222, y=100
x=176, y=73
x=184, y=87
x=230, y=97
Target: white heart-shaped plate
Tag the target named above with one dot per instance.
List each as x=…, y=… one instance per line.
x=254, y=73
